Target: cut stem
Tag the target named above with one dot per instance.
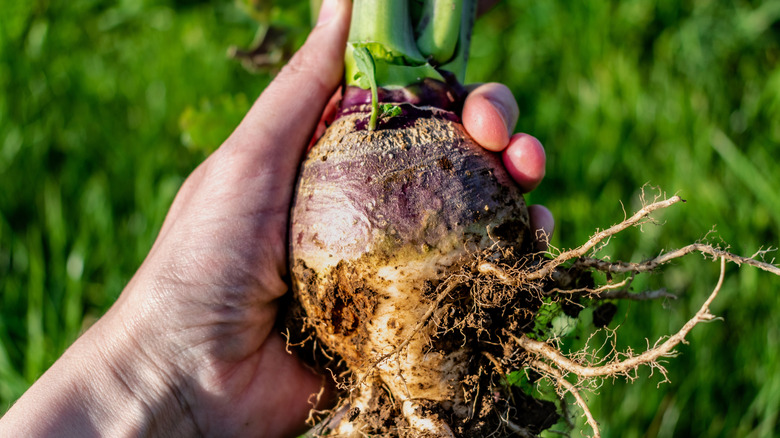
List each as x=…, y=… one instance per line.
x=385, y=28
x=385, y=23
x=438, y=29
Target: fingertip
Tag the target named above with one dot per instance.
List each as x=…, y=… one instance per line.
x=525, y=160
x=285, y=116
x=489, y=115
x=320, y=59
x=543, y=224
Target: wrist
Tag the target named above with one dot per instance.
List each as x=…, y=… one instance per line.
x=150, y=387
x=101, y=386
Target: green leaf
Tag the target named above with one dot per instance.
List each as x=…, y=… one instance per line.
x=365, y=65
x=516, y=378
x=362, y=80
x=389, y=110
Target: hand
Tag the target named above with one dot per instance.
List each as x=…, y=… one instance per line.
x=189, y=347
x=489, y=116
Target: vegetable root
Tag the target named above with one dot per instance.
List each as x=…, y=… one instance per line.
x=487, y=303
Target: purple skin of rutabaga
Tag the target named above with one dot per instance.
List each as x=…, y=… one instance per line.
x=415, y=197
x=409, y=186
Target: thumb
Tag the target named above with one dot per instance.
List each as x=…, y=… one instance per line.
x=282, y=120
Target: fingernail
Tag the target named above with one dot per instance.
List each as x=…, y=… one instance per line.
x=328, y=10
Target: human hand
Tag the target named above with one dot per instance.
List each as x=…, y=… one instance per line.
x=489, y=116
x=189, y=346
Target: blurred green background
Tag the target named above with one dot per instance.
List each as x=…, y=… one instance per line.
x=107, y=106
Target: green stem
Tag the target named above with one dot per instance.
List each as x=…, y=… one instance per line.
x=438, y=29
x=374, y=109
x=385, y=28
x=457, y=64
x=367, y=78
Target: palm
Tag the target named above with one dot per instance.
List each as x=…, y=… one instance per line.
x=231, y=262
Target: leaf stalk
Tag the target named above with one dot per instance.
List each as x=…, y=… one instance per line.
x=405, y=54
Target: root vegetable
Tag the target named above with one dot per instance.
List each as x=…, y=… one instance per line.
x=389, y=208
x=410, y=252
x=380, y=220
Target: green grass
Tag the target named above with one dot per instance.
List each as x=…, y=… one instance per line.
x=107, y=106
x=91, y=154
